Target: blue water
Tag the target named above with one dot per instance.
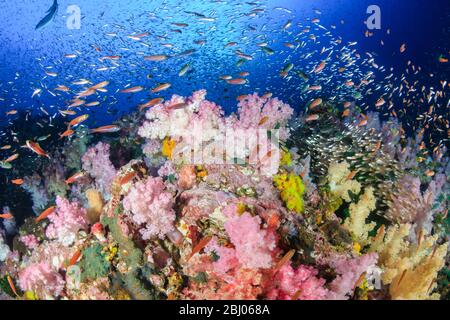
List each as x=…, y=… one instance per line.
x=26, y=53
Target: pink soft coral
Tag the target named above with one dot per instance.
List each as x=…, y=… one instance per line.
x=150, y=206
x=287, y=282
x=30, y=241
x=244, y=284
x=96, y=162
x=41, y=279
x=349, y=271
x=227, y=258
x=254, y=246
x=260, y=112
x=66, y=221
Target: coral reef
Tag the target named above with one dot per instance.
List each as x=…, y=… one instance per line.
x=332, y=211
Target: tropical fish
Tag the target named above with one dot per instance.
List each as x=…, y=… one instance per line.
x=36, y=148
x=106, y=129
x=50, y=15
x=5, y=165
x=92, y=104
x=7, y=216
x=12, y=157
x=200, y=245
x=151, y=103
x=312, y=117
x=17, y=181
x=74, y=177
x=237, y=81
x=284, y=260
x=11, y=282
x=161, y=87
x=184, y=69
x=127, y=178
x=268, y=50
x=319, y=68
x=315, y=103
x=403, y=48
x=45, y=213
x=66, y=133
x=158, y=57
x=75, y=258
x=132, y=89
x=78, y=120
x=100, y=85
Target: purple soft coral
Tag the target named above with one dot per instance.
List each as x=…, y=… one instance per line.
x=97, y=163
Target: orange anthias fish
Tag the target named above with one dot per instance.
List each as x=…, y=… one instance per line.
x=17, y=182
x=12, y=286
x=320, y=67
x=66, y=133
x=263, y=120
x=7, y=216
x=132, y=89
x=161, y=87
x=151, y=103
x=106, y=129
x=237, y=81
x=12, y=157
x=315, y=103
x=100, y=85
x=75, y=258
x=78, y=120
x=363, y=121
x=158, y=57
x=36, y=148
x=45, y=213
x=200, y=245
x=312, y=117
x=74, y=178
x=127, y=178
x=284, y=260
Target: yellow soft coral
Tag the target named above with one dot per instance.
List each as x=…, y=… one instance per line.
x=409, y=268
x=286, y=158
x=339, y=181
x=167, y=147
x=291, y=189
x=356, y=222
